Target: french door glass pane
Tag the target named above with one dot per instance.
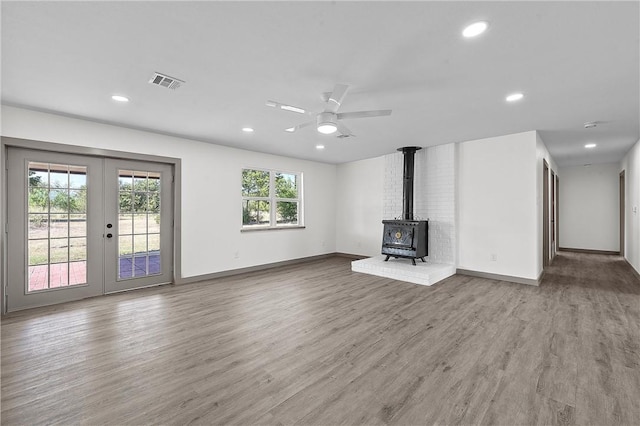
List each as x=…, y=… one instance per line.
x=58, y=176
x=153, y=223
x=138, y=224
x=57, y=225
x=78, y=225
x=38, y=226
x=125, y=224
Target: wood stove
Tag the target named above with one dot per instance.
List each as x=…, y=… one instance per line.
x=406, y=237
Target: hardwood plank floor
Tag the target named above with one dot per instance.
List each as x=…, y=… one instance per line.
x=317, y=344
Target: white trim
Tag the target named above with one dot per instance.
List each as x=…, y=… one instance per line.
x=273, y=200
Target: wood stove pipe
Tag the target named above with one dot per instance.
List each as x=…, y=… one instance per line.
x=409, y=153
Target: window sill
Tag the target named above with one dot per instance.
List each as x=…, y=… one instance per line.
x=272, y=228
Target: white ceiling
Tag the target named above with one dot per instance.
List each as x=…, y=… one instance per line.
x=574, y=61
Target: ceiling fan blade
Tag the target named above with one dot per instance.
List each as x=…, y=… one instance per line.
x=298, y=127
x=279, y=105
x=363, y=114
x=336, y=97
x=344, y=130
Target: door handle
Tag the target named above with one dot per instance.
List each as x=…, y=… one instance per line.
x=109, y=235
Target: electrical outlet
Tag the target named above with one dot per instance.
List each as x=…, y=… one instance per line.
x=236, y=255
x=494, y=257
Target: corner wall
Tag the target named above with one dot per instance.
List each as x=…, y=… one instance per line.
x=497, y=211
x=631, y=166
x=359, y=207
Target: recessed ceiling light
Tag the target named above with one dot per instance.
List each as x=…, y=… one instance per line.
x=247, y=129
x=290, y=129
x=120, y=98
x=514, y=97
x=590, y=145
x=319, y=146
x=475, y=29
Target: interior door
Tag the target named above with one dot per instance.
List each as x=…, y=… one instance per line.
x=54, y=232
x=139, y=224
x=545, y=214
x=553, y=214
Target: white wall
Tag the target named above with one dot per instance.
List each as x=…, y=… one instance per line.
x=359, y=207
x=211, y=208
x=497, y=196
x=631, y=166
x=590, y=207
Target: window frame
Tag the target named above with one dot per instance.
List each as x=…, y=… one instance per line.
x=273, y=200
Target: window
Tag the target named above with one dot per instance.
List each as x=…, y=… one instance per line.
x=271, y=198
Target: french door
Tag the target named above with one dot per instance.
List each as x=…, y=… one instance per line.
x=138, y=230
x=82, y=226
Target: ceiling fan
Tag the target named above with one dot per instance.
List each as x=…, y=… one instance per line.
x=329, y=120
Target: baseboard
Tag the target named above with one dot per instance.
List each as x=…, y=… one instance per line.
x=499, y=277
x=577, y=250
x=635, y=272
x=350, y=256
x=231, y=272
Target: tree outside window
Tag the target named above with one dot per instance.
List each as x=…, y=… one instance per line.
x=270, y=198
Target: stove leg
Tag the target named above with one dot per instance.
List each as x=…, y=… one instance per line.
x=422, y=258
x=413, y=261
x=387, y=258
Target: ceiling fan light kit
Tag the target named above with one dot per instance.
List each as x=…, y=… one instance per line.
x=327, y=128
x=330, y=121
x=327, y=123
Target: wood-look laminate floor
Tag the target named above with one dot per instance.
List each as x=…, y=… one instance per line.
x=318, y=344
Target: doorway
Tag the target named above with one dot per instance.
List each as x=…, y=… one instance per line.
x=557, y=213
x=545, y=214
x=622, y=212
x=82, y=226
x=553, y=215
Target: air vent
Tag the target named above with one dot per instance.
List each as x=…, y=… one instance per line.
x=165, y=81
